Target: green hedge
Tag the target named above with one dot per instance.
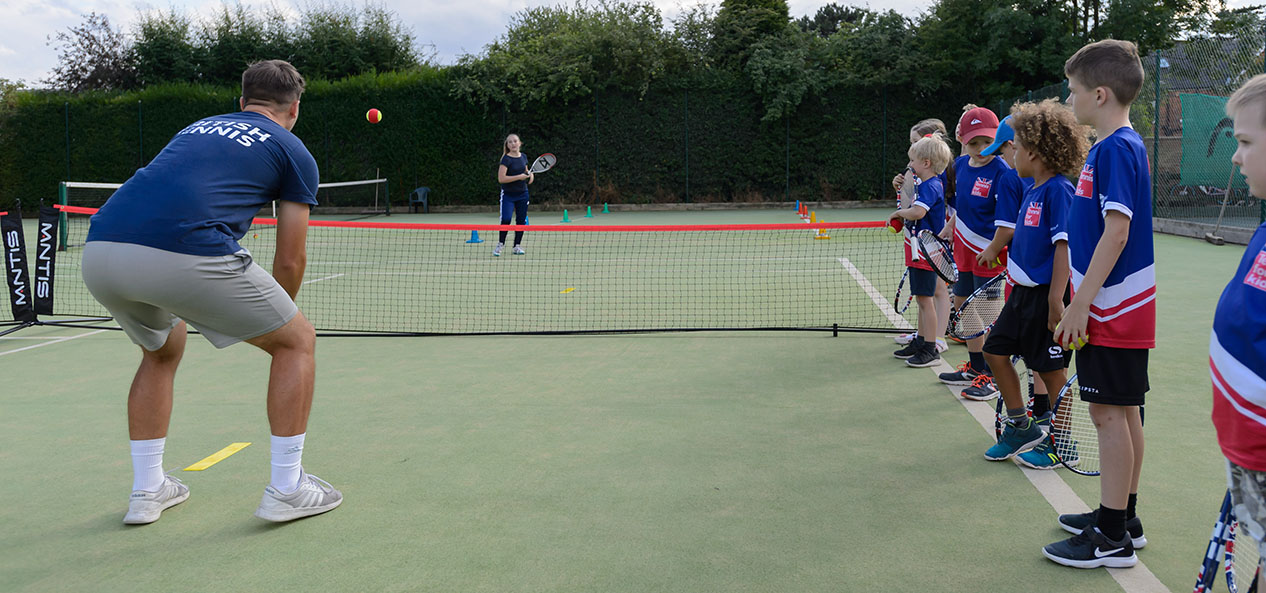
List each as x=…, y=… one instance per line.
x=698, y=140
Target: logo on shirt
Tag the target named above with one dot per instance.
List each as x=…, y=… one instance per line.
x=1033, y=215
x=1256, y=277
x=982, y=187
x=1086, y=182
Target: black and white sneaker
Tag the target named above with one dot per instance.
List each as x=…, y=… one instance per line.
x=925, y=357
x=910, y=349
x=1077, y=522
x=1091, y=549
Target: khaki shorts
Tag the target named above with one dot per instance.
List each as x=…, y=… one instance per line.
x=1248, y=500
x=228, y=298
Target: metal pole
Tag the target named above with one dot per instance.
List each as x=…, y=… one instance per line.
x=596, y=153
x=66, y=112
x=787, y=174
x=687, y=145
x=883, y=159
x=140, y=132
x=1156, y=132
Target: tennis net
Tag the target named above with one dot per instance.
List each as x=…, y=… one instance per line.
x=364, y=196
x=378, y=278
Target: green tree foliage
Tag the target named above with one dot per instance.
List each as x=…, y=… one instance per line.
x=1153, y=24
x=92, y=56
x=164, y=50
x=831, y=18
x=563, y=53
x=741, y=24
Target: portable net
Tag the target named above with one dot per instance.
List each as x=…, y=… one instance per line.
x=367, y=277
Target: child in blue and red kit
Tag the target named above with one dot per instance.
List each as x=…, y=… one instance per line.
x=987, y=190
x=928, y=158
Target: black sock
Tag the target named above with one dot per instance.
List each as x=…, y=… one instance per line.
x=1112, y=523
x=1041, y=405
x=977, y=361
x=1129, y=506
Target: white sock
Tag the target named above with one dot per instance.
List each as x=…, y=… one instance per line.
x=147, y=464
x=287, y=455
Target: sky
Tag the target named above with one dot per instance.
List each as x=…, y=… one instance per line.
x=446, y=29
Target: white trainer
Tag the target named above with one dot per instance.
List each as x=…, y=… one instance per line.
x=145, y=507
x=518, y=251
x=313, y=497
x=941, y=346
x=904, y=339
x=496, y=251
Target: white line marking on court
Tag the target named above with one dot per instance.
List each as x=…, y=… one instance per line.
x=52, y=341
x=893, y=316
x=1057, y=492
x=325, y=278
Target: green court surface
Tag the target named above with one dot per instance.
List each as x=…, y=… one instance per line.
x=662, y=462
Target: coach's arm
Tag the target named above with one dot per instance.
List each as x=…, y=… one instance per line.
x=292, y=256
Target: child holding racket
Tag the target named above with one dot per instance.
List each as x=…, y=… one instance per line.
x=1049, y=145
x=928, y=158
x=1111, y=321
x=514, y=177
x=942, y=298
x=1237, y=349
x=986, y=190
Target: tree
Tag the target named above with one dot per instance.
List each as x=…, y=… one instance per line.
x=164, y=50
x=561, y=53
x=1152, y=24
x=831, y=18
x=740, y=24
x=92, y=56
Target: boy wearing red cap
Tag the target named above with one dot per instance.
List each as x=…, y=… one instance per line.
x=986, y=190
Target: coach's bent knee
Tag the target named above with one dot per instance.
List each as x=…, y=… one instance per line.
x=297, y=334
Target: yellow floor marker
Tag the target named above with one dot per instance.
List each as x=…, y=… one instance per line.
x=217, y=457
x=566, y=291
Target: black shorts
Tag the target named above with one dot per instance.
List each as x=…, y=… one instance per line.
x=923, y=282
x=1113, y=376
x=1021, y=330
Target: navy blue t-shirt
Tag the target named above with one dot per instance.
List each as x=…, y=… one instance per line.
x=515, y=165
x=199, y=194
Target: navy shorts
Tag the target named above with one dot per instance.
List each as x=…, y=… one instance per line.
x=1113, y=376
x=968, y=283
x=923, y=282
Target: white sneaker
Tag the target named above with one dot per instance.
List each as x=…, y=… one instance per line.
x=313, y=497
x=941, y=346
x=904, y=339
x=496, y=251
x=518, y=251
x=145, y=507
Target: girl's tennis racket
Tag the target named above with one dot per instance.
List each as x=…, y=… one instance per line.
x=1073, y=436
x=980, y=311
x=901, y=302
x=1243, y=562
x=908, y=186
x=544, y=163
x=1209, y=564
x=1000, y=406
x=938, y=253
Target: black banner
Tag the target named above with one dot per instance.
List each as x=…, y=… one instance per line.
x=45, y=259
x=15, y=266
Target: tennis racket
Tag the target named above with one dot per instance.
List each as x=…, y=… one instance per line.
x=901, y=302
x=908, y=187
x=938, y=253
x=1000, y=406
x=1209, y=564
x=1073, y=436
x=544, y=163
x=980, y=311
x=1243, y=563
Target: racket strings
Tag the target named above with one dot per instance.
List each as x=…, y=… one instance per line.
x=1073, y=432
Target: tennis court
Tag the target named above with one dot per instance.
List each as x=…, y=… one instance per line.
x=713, y=461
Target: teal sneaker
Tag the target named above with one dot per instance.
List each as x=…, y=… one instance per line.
x=1015, y=441
x=1040, y=457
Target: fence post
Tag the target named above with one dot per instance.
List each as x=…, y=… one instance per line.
x=883, y=159
x=1156, y=132
x=787, y=172
x=66, y=113
x=596, y=152
x=687, y=145
x=140, y=133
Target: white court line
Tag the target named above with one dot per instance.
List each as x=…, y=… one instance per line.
x=1057, y=492
x=51, y=341
x=325, y=278
x=880, y=301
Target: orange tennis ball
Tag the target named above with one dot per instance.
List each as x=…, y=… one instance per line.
x=373, y=115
